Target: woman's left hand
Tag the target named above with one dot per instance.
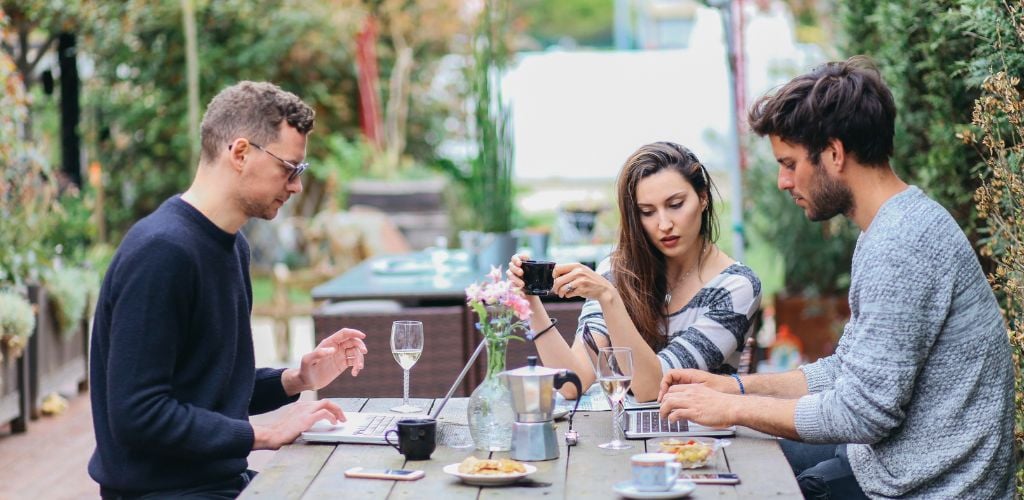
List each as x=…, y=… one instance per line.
x=578, y=280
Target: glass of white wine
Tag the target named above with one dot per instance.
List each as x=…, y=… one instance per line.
x=406, y=346
x=614, y=373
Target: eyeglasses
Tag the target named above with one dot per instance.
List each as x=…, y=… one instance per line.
x=294, y=171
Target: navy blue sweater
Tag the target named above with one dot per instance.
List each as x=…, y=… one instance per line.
x=172, y=367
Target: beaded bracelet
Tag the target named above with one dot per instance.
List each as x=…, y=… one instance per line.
x=738, y=381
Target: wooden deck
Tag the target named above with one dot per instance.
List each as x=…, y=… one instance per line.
x=584, y=471
x=50, y=460
x=60, y=447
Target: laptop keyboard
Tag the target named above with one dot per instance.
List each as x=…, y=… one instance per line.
x=377, y=425
x=650, y=421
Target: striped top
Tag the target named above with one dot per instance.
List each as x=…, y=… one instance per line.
x=708, y=332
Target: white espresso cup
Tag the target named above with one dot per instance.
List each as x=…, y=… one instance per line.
x=655, y=471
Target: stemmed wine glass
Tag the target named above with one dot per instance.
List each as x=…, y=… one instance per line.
x=615, y=372
x=406, y=346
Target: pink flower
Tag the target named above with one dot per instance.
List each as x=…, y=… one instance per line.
x=520, y=305
x=474, y=293
x=496, y=296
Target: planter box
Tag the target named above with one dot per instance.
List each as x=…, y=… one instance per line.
x=14, y=393
x=54, y=362
x=817, y=321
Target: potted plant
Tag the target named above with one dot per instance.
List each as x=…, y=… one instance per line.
x=486, y=179
x=17, y=324
x=817, y=259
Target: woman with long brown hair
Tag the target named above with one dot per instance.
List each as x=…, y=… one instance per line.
x=666, y=291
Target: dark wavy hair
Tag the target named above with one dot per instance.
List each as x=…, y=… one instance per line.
x=844, y=100
x=638, y=267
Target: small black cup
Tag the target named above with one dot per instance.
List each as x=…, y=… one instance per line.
x=417, y=438
x=539, y=276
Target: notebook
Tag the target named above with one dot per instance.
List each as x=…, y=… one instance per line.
x=641, y=424
x=370, y=427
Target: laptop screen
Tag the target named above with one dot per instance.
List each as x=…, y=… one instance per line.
x=458, y=380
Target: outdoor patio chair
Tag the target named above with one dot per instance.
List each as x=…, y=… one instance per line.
x=444, y=349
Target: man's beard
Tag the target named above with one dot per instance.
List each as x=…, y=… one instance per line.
x=256, y=209
x=828, y=197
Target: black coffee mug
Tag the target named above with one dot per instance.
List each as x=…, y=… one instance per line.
x=538, y=276
x=417, y=438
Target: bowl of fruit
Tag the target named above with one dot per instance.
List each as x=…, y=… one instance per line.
x=692, y=453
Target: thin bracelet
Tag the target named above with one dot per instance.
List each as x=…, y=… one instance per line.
x=554, y=321
x=738, y=381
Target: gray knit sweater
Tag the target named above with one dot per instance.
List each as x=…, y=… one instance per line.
x=922, y=379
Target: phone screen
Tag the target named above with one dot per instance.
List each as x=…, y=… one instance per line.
x=391, y=472
x=712, y=478
x=396, y=474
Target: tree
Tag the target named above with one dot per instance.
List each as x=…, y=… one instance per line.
x=136, y=101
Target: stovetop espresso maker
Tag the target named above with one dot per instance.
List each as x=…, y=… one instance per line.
x=533, y=401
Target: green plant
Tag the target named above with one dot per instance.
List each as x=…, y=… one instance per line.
x=71, y=290
x=489, y=183
x=817, y=256
x=999, y=114
x=998, y=133
x=928, y=58
x=28, y=188
x=17, y=322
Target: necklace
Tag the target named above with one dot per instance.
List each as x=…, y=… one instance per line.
x=668, y=293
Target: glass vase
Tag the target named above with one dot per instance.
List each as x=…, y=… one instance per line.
x=490, y=405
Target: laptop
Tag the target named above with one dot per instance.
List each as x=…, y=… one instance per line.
x=642, y=424
x=369, y=428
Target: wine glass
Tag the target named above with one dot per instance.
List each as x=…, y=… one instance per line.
x=614, y=373
x=406, y=346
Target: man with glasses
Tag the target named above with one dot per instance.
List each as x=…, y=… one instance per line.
x=174, y=378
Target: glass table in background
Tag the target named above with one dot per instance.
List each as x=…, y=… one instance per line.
x=428, y=276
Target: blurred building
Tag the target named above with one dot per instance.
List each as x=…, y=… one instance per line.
x=663, y=24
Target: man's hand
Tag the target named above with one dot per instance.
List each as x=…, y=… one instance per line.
x=682, y=377
x=337, y=353
x=297, y=418
x=699, y=403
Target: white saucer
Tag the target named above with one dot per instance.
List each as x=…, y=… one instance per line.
x=681, y=488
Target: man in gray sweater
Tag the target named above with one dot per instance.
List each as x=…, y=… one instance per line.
x=917, y=401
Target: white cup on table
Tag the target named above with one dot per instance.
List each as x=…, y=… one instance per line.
x=654, y=471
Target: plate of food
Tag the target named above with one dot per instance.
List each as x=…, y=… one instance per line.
x=694, y=452
x=489, y=472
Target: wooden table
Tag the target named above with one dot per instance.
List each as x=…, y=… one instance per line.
x=583, y=471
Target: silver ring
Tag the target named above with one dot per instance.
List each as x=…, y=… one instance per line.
x=569, y=288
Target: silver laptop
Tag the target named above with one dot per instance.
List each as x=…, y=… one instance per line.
x=370, y=427
x=642, y=424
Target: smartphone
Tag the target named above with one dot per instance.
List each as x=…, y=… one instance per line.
x=393, y=474
x=712, y=478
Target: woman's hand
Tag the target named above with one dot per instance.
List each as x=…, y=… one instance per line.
x=515, y=276
x=578, y=280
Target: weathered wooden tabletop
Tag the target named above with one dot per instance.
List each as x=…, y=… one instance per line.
x=583, y=471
